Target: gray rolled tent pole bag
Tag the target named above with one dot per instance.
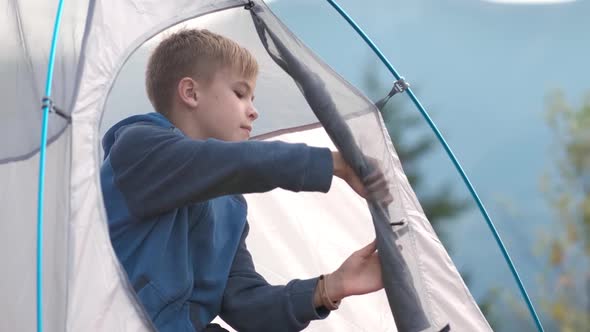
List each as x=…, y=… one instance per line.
x=403, y=299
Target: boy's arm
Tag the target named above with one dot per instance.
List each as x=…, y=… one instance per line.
x=158, y=169
x=251, y=304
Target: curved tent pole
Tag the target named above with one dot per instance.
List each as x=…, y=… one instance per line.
x=453, y=159
x=47, y=106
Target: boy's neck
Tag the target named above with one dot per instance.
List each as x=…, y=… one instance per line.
x=181, y=119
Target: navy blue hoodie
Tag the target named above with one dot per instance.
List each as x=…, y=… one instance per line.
x=178, y=223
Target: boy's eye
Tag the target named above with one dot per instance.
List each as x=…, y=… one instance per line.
x=239, y=94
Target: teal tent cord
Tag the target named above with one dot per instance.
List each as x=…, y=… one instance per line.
x=44, y=125
x=453, y=158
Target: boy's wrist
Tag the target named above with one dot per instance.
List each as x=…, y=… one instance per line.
x=329, y=288
x=339, y=164
x=335, y=286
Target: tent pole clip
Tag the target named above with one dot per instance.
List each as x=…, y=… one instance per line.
x=399, y=86
x=47, y=102
x=249, y=5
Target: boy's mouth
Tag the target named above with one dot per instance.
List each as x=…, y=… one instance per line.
x=248, y=128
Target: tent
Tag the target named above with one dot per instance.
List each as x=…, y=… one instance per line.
x=80, y=284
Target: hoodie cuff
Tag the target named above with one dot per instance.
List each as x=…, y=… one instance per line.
x=301, y=294
x=319, y=171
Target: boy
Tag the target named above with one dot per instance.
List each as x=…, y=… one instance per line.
x=171, y=182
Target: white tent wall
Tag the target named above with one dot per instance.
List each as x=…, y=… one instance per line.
x=26, y=28
x=324, y=229
x=18, y=239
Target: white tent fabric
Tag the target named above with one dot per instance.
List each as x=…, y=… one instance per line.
x=85, y=289
x=18, y=239
x=25, y=35
x=325, y=229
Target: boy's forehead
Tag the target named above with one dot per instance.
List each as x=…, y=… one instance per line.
x=235, y=76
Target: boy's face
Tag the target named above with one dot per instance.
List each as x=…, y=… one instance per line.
x=225, y=110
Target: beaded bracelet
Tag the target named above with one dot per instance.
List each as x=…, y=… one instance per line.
x=326, y=301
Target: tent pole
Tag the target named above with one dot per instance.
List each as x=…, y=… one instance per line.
x=451, y=155
x=47, y=105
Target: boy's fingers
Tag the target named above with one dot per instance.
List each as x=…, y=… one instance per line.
x=384, y=198
x=375, y=176
x=361, y=189
x=368, y=250
x=378, y=185
x=388, y=199
x=373, y=186
x=375, y=180
x=379, y=190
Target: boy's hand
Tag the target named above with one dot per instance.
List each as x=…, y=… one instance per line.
x=359, y=274
x=375, y=186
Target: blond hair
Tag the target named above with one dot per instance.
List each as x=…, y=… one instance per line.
x=192, y=53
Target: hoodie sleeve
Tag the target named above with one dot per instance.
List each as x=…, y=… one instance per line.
x=158, y=169
x=247, y=294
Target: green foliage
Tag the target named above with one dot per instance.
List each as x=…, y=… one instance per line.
x=567, y=190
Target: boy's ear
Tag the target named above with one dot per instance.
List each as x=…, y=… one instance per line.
x=188, y=91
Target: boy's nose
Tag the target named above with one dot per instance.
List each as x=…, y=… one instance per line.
x=252, y=113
